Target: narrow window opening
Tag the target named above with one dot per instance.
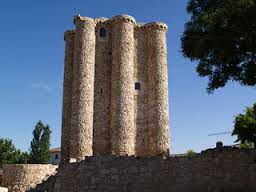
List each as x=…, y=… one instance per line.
x=101, y=90
x=56, y=156
x=137, y=86
x=103, y=32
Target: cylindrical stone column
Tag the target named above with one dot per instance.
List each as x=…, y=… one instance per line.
x=83, y=88
x=158, y=122
x=122, y=87
x=67, y=94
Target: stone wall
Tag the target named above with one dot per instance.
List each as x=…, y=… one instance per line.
x=102, y=88
x=141, y=96
x=218, y=170
x=22, y=177
x=3, y=189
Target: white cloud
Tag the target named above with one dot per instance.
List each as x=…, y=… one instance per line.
x=40, y=86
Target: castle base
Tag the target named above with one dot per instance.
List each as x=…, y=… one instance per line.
x=218, y=170
x=223, y=170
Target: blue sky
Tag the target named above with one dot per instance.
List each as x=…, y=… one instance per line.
x=31, y=73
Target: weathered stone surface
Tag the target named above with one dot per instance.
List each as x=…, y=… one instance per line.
x=67, y=94
x=22, y=177
x=108, y=114
x=225, y=170
x=216, y=170
x=81, y=134
x=158, y=122
x=3, y=189
x=102, y=88
x=122, y=87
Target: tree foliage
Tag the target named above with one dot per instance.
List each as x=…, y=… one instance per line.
x=190, y=153
x=246, y=145
x=8, y=153
x=221, y=37
x=40, y=144
x=23, y=158
x=245, y=126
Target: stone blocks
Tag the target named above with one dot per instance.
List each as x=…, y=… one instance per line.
x=228, y=170
x=22, y=177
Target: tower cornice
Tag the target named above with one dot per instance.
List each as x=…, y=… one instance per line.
x=80, y=22
x=124, y=18
x=156, y=25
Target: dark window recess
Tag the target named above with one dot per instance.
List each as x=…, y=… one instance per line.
x=101, y=90
x=56, y=156
x=103, y=32
x=137, y=86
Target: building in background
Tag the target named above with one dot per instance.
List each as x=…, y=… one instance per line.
x=55, y=156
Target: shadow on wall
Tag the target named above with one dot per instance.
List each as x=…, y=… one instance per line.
x=45, y=186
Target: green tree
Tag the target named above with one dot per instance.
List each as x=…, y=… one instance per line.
x=245, y=126
x=191, y=153
x=23, y=158
x=8, y=153
x=246, y=145
x=221, y=38
x=40, y=144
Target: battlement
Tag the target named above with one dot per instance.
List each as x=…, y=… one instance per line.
x=124, y=18
x=156, y=25
x=78, y=20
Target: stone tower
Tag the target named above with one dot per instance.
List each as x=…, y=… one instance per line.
x=115, y=96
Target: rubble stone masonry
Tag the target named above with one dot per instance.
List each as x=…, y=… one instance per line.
x=81, y=136
x=67, y=94
x=115, y=88
x=122, y=89
x=22, y=177
x=102, y=88
x=223, y=170
x=158, y=86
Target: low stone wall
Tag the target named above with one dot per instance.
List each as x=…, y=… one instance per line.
x=22, y=177
x=218, y=170
x=3, y=189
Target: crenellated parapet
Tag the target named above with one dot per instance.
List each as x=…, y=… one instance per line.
x=81, y=22
x=123, y=18
x=101, y=20
x=156, y=25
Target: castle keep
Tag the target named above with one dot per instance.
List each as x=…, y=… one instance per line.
x=115, y=96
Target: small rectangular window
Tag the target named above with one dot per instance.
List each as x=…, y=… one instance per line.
x=137, y=86
x=103, y=33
